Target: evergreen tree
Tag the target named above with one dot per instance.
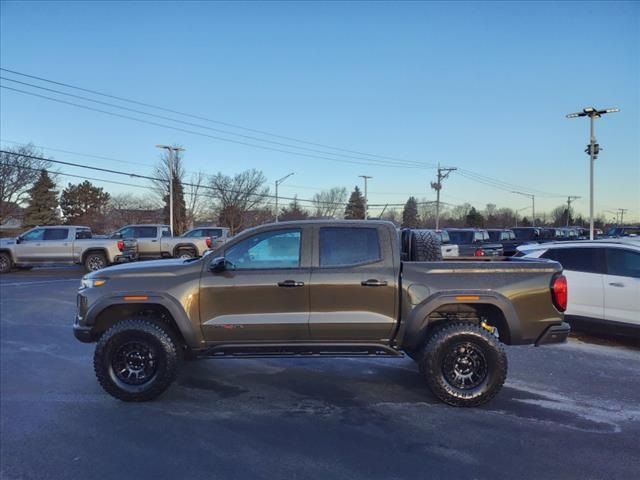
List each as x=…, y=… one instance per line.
x=474, y=218
x=179, y=208
x=355, y=207
x=293, y=211
x=84, y=204
x=43, y=202
x=410, y=214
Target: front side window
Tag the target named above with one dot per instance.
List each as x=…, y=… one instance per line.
x=579, y=259
x=194, y=234
x=267, y=251
x=34, y=235
x=623, y=263
x=56, y=234
x=348, y=246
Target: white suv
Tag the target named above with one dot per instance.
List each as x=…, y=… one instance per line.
x=603, y=278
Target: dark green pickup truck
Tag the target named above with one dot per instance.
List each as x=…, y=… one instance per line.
x=315, y=289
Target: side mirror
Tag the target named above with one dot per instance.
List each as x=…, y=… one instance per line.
x=18, y=239
x=218, y=265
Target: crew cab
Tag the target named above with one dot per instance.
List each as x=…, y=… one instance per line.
x=63, y=245
x=319, y=288
x=155, y=241
x=474, y=242
x=218, y=235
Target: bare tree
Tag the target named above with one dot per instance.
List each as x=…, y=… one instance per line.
x=127, y=208
x=237, y=195
x=196, y=198
x=328, y=203
x=162, y=174
x=18, y=172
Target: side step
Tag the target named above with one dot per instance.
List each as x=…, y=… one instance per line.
x=279, y=350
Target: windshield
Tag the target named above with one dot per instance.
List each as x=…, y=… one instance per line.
x=460, y=237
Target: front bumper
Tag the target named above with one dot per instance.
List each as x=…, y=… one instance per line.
x=83, y=333
x=554, y=334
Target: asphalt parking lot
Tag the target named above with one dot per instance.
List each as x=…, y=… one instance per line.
x=568, y=411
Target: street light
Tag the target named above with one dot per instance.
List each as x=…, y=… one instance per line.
x=170, y=149
x=593, y=149
x=278, y=182
x=533, y=205
x=519, y=210
x=366, y=201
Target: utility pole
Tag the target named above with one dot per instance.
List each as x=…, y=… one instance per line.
x=593, y=149
x=437, y=186
x=366, y=200
x=533, y=205
x=519, y=210
x=570, y=200
x=170, y=151
x=622, y=212
x=278, y=182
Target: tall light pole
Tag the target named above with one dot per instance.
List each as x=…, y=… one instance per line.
x=170, y=151
x=278, y=182
x=570, y=200
x=519, y=210
x=437, y=186
x=533, y=205
x=593, y=149
x=366, y=199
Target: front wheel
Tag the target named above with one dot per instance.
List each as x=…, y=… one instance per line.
x=5, y=263
x=95, y=261
x=136, y=360
x=464, y=365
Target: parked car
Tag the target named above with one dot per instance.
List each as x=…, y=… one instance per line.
x=409, y=237
x=506, y=238
x=474, y=242
x=218, y=235
x=528, y=234
x=617, y=232
x=313, y=289
x=604, y=277
x=63, y=245
x=155, y=241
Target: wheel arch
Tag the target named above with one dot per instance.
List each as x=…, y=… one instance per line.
x=474, y=306
x=91, y=250
x=189, y=246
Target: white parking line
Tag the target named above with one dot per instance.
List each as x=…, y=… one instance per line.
x=25, y=284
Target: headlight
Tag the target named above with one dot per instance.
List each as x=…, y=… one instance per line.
x=92, y=282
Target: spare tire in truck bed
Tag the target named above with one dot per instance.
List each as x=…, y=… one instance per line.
x=424, y=246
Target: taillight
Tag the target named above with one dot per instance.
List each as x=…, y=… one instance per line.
x=208, y=242
x=479, y=252
x=560, y=292
x=121, y=245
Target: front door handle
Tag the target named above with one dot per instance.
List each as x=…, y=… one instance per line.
x=617, y=284
x=372, y=282
x=154, y=241
x=290, y=284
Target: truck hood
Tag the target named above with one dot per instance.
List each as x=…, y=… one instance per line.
x=8, y=241
x=146, y=268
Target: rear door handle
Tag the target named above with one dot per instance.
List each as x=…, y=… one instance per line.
x=290, y=284
x=617, y=284
x=374, y=283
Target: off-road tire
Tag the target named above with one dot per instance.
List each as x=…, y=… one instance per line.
x=185, y=253
x=95, y=261
x=161, y=340
x=6, y=264
x=425, y=246
x=446, y=342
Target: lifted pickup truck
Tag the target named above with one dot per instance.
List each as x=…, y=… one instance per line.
x=319, y=288
x=63, y=244
x=155, y=241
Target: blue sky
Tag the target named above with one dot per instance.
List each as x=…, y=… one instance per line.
x=481, y=86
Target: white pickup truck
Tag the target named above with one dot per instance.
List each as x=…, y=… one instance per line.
x=64, y=245
x=155, y=241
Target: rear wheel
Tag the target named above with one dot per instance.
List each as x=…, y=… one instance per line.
x=464, y=365
x=136, y=360
x=95, y=261
x=185, y=253
x=5, y=263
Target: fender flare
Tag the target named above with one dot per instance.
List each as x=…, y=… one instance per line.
x=418, y=321
x=192, y=335
x=190, y=246
x=90, y=250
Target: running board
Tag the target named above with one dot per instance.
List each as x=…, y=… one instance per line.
x=261, y=350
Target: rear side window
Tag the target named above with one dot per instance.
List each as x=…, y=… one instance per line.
x=623, y=263
x=82, y=234
x=56, y=234
x=348, y=246
x=579, y=259
x=147, y=232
